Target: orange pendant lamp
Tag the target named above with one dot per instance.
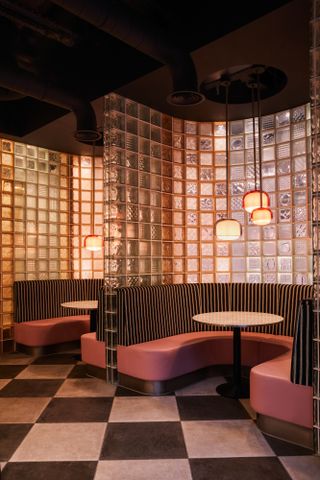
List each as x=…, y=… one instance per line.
x=227, y=228
x=262, y=214
x=255, y=198
x=93, y=242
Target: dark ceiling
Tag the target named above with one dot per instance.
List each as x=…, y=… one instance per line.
x=57, y=48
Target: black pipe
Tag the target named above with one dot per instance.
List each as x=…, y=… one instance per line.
x=26, y=84
x=113, y=18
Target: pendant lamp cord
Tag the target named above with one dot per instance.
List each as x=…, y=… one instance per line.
x=93, y=186
x=253, y=86
x=259, y=135
x=227, y=85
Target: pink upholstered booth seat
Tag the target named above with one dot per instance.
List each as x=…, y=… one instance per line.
x=93, y=351
x=274, y=395
x=174, y=356
x=51, y=331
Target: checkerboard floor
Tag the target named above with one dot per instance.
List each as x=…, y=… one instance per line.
x=58, y=423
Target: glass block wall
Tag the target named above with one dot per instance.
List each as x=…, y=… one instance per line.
x=138, y=203
x=40, y=221
x=86, y=191
x=279, y=252
x=315, y=117
x=165, y=188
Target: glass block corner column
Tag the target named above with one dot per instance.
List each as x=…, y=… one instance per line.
x=315, y=137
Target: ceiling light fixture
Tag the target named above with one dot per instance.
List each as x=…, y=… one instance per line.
x=227, y=228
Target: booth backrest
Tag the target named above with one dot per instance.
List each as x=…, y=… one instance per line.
x=301, y=362
x=158, y=311
x=39, y=299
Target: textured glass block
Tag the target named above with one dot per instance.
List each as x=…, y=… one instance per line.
x=222, y=264
x=207, y=264
x=192, y=234
x=237, y=188
x=254, y=249
x=300, y=197
x=206, y=174
x=236, y=203
x=219, y=144
x=284, y=182
x=178, y=265
x=284, y=247
x=237, y=173
x=268, y=169
x=191, y=188
x=207, y=233
x=299, y=147
x=238, y=264
x=269, y=264
x=192, y=278
x=267, y=122
x=283, y=150
x=269, y=232
x=191, y=143
x=220, y=159
x=206, y=189
x=283, y=118
x=268, y=153
x=237, y=143
x=285, y=215
x=298, y=114
x=205, y=128
x=192, y=249
x=300, y=230
x=191, y=158
x=206, y=203
x=207, y=249
x=192, y=219
x=300, y=163
x=206, y=158
x=155, y=150
x=205, y=143
x=300, y=264
x=190, y=127
x=238, y=249
x=302, y=247
x=268, y=138
x=300, y=214
x=283, y=135
x=284, y=264
x=192, y=203
x=253, y=264
x=220, y=174
x=191, y=173
x=219, y=129
x=300, y=180
x=178, y=218
x=178, y=234
x=221, y=203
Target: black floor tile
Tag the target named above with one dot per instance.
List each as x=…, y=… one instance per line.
x=11, y=435
x=79, y=371
x=11, y=371
x=49, y=471
x=57, y=359
x=210, y=408
x=147, y=440
x=31, y=388
x=66, y=410
x=285, y=449
x=260, y=468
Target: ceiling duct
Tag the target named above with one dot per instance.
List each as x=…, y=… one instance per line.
x=24, y=83
x=112, y=17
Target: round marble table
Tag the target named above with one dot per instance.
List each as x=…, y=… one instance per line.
x=239, y=387
x=91, y=305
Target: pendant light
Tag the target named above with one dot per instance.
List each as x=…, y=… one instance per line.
x=254, y=198
x=227, y=228
x=262, y=215
x=93, y=242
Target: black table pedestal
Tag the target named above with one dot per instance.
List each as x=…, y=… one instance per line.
x=239, y=387
x=93, y=320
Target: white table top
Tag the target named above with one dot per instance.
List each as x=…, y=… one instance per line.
x=82, y=304
x=237, y=319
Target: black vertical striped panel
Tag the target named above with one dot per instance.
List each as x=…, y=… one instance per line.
x=100, y=335
x=38, y=299
x=301, y=360
x=156, y=311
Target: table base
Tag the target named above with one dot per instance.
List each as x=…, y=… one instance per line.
x=231, y=390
